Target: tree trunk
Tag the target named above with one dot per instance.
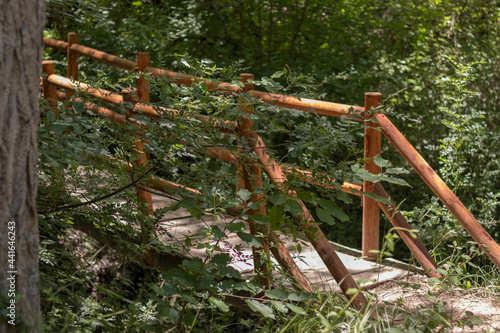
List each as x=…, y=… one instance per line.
x=21, y=48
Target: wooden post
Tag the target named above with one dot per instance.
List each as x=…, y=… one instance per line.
x=72, y=68
x=49, y=90
x=249, y=175
x=371, y=210
x=143, y=61
x=143, y=192
x=143, y=96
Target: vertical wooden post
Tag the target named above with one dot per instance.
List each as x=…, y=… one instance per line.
x=49, y=90
x=250, y=177
x=72, y=68
x=371, y=210
x=244, y=130
x=143, y=193
x=143, y=61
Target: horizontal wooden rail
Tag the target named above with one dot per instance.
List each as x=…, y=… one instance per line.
x=104, y=57
x=104, y=95
x=440, y=189
x=310, y=105
x=56, y=44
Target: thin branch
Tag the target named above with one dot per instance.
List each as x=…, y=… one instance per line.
x=104, y=197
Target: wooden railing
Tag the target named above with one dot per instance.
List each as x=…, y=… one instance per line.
x=250, y=172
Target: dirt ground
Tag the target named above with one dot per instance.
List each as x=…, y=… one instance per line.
x=416, y=296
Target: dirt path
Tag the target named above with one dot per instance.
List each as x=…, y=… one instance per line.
x=435, y=305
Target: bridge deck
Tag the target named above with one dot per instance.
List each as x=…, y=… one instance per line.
x=180, y=223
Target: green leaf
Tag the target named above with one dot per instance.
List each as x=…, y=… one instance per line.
x=167, y=312
x=260, y=218
x=244, y=194
x=293, y=207
x=296, y=309
x=218, y=303
x=170, y=288
x=363, y=174
x=187, y=281
x=397, y=181
x=278, y=294
x=57, y=128
x=78, y=107
x=276, y=219
x=235, y=226
x=378, y=198
x=325, y=216
x=338, y=213
x=221, y=259
x=217, y=233
x=203, y=85
x=300, y=296
x=346, y=198
x=195, y=211
x=306, y=196
x=195, y=263
x=188, y=203
x=229, y=272
x=378, y=160
x=352, y=291
x=280, y=307
x=256, y=306
x=50, y=116
x=245, y=236
x=396, y=171
x=250, y=239
x=277, y=198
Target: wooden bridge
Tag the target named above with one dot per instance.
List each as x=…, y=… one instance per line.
x=367, y=274
x=344, y=269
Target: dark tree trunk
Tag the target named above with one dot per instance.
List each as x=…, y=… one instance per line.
x=21, y=48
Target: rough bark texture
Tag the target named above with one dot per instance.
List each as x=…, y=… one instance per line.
x=21, y=49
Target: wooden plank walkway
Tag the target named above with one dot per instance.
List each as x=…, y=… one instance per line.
x=180, y=223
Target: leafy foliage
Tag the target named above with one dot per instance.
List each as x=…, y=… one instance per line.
x=437, y=63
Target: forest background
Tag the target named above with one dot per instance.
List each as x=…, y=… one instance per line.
x=435, y=62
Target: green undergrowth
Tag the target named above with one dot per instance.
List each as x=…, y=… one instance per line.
x=437, y=65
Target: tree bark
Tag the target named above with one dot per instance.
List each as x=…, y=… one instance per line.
x=21, y=49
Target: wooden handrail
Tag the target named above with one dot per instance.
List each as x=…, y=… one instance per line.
x=104, y=57
x=56, y=44
x=440, y=189
x=310, y=105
